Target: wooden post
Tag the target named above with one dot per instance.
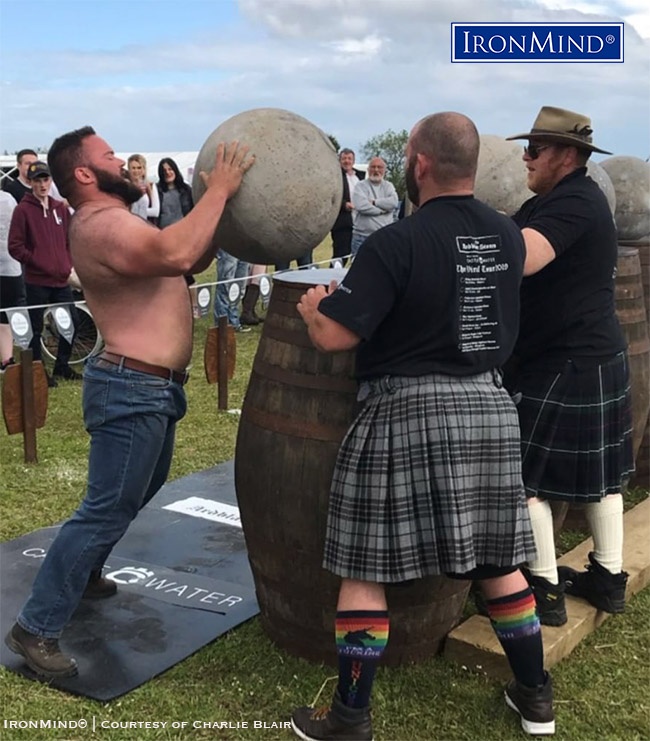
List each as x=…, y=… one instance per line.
x=222, y=363
x=29, y=407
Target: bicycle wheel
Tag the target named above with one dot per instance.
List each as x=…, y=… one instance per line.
x=87, y=340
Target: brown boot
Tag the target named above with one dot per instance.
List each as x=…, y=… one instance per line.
x=248, y=315
x=42, y=655
x=98, y=587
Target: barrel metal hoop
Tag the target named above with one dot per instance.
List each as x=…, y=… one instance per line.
x=291, y=336
x=267, y=371
x=294, y=427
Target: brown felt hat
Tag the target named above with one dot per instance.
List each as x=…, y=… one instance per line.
x=562, y=126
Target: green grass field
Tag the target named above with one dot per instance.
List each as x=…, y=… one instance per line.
x=601, y=689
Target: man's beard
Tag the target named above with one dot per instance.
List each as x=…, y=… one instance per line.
x=116, y=185
x=411, y=184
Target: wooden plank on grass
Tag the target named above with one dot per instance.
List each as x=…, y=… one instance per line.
x=474, y=645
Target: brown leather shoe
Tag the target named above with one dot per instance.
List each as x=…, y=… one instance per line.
x=99, y=587
x=42, y=655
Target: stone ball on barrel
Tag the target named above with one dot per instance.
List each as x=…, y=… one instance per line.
x=290, y=198
x=501, y=174
x=599, y=175
x=630, y=177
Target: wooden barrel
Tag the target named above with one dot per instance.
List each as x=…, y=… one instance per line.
x=631, y=312
x=298, y=405
x=642, y=474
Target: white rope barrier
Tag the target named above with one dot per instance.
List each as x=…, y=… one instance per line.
x=243, y=279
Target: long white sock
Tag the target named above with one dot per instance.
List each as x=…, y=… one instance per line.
x=605, y=519
x=541, y=518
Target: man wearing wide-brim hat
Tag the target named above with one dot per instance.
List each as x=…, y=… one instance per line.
x=570, y=364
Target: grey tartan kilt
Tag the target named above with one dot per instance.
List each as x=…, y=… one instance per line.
x=576, y=430
x=428, y=481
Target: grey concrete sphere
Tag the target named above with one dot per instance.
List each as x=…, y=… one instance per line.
x=289, y=199
x=599, y=175
x=630, y=177
x=501, y=174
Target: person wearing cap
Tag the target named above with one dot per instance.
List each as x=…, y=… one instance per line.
x=570, y=365
x=38, y=238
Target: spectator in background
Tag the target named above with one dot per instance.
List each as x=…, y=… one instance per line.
x=175, y=198
x=374, y=200
x=342, y=229
x=229, y=268
x=20, y=185
x=38, y=238
x=12, y=286
x=148, y=207
x=252, y=293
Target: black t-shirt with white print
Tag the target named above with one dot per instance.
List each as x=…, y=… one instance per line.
x=435, y=293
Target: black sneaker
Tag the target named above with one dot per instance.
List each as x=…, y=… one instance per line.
x=99, y=587
x=67, y=374
x=338, y=723
x=42, y=655
x=549, y=599
x=51, y=382
x=6, y=364
x=534, y=705
x=601, y=588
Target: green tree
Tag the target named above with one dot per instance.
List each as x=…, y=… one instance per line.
x=391, y=147
x=335, y=142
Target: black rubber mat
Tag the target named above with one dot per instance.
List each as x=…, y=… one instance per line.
x=183, y=577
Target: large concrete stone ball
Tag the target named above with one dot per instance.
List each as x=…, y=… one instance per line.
x=602, y=179
x=630, y=177
x=501, y=174
x=289, y=199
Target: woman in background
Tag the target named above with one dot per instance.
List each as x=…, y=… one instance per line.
x=175, y=197
x=148, y=207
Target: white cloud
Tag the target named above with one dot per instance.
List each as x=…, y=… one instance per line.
x=354, y=68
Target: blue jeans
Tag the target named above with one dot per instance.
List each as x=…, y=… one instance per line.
x=357, y=241
x=131, y=418
x=301, y=261
x=228, y=267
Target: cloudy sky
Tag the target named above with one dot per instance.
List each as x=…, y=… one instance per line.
x=160, y=75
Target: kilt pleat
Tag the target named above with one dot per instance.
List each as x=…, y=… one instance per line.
x=428, y=481
x=576, y=430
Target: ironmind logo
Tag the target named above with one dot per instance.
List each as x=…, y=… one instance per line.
x=537, y=42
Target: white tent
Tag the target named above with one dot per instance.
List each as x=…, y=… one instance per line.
x=184, y=160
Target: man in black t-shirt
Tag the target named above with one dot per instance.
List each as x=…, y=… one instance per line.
x=428, y=477
x=570, y=365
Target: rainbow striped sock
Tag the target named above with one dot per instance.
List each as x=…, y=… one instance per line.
x=361, y=637
x=517, y=627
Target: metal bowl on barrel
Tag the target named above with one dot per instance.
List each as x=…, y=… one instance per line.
x=300, y=402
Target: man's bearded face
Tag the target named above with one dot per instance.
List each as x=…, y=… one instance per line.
x=116, y=185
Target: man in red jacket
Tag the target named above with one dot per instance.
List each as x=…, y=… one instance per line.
x=38, y=238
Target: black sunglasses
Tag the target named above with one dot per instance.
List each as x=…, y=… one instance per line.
x=533, y=150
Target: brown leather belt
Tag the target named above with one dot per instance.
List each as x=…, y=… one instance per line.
x=138, y=365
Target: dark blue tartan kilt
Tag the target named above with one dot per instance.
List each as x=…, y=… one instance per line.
x=576, y=430
x=428, y=481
